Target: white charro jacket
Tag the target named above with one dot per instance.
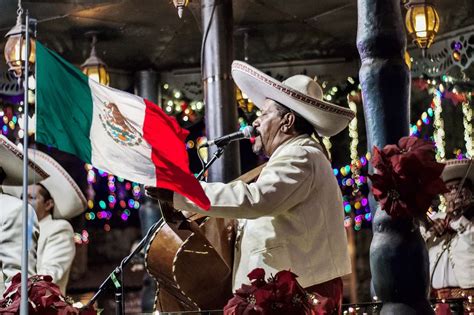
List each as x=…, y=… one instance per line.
x=290, y=218
x=451, y=255
x=11, y=222
x=56, y=250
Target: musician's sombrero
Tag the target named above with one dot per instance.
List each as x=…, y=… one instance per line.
x=300, y=93
x=69, y=201
x=457, y=169
x=11, y=161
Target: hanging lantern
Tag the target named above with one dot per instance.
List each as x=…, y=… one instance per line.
x=15, y=47
x=180, y=5
x=422, y=22
x=94, y=67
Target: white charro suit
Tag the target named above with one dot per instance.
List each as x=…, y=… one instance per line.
x=11, y=222
x=451, y=255
x=56, y=250
x=290, y=218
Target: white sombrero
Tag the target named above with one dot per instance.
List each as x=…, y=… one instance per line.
x=457, y=169
x=299, y=93
x=11, y=162
x=69, y=201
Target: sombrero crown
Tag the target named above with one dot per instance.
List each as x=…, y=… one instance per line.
x=300, y=93
x=457, y=169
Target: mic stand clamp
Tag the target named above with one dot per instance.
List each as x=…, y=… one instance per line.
x=217, y=154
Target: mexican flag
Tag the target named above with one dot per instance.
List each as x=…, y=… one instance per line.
x=115, y=131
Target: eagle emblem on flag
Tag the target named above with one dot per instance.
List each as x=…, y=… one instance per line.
x=118, y=127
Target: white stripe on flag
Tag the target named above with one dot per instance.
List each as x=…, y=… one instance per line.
x=117, y=143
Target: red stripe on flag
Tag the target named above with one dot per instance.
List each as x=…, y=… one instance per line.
x=169, y=155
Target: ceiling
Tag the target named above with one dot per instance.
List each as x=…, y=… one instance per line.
x=147, y=34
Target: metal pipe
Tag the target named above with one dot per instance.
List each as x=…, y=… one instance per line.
x=218, y=87
x=24, y=245
x=146, y=85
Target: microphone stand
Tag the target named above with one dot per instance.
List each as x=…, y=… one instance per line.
x=217, y=154
x=116, y=276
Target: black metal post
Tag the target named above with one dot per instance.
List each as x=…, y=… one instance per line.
x=398, y=254
x=219, y=93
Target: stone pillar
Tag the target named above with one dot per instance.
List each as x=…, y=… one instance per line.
x=398, y=254
x=218, y=87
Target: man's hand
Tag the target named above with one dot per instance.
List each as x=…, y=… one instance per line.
x=439, y=226
x=160, y=194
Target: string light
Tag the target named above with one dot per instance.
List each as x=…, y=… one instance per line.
x=467, y=122
x=116, y=200
x=349, y=177
x=438, y=124
x=425, y=118
x=353, y=133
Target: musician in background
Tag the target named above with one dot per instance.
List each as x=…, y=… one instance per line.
x=450, y=240
x=11, y=218
x=291, y=217
x=55, y=199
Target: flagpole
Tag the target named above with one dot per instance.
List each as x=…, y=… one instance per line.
x=24, y=256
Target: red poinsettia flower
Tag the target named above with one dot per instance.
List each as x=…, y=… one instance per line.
x=281, y=295
x=44, y=297
x=386, y=191
x=406, y=157
x=286, y=285
x=257, y=277
x=246, y=300
x=239, y=305
x=407, y=178
x=379, y=160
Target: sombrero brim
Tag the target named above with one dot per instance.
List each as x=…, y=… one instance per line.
x=328, y=119
x=457, y=169
x=11, y=161
x=69, y=201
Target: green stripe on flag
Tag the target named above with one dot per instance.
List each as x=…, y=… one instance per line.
x=63, y=104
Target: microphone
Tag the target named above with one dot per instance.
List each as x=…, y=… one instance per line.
x=246, y=133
